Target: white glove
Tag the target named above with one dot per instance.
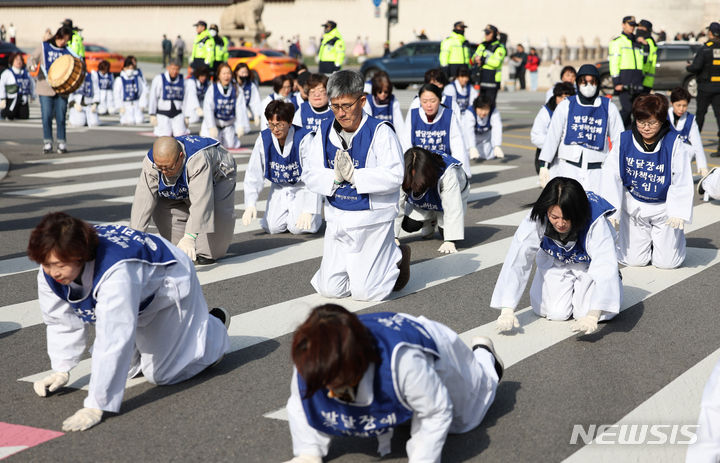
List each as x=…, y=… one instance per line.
x=52, y=382
x=304, y=222
x=240, y=132
x=121, y=110
x=507, y=320
x=676, y=222
x=347, y=168
x=187, y=245
x=257, y=122
x=93, y=108
x=587, y=324
x=498, y=152
x=448, y=247
x=3, y=103
x=544, y=176
x=249, y=215
x=338, y=175
x=213, y=131
x=703, y=171
x=305, y=459
x=77, y=106
x=153, y=120
x=474, y=153
x=83, y=419
x=614, y=222
x=199, y=111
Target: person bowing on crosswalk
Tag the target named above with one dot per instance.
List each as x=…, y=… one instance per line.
x=569, y=236
x=187, y=186
x=143, y=297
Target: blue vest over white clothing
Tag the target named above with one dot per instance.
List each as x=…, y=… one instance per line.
x=191, y=145
x=200, y=89
x=278, y=169
x=247, y=91
x=684, y=134
x=463, y=99
x=87, y=87
x=22, y=81
x=646, y=176
x=433, y=137
x=431, y=199
x=173, y=90
x=587, y=125
x=486, y=127
x=383, y=112
x=447, y=101
x=131, y=87
x=346, y=196
x=116, y=244
x=311, y=120
x=333, y=416
x=599, y=207
x=224, y=105
x=550, y=111
x=50, y=54
x=105, y=81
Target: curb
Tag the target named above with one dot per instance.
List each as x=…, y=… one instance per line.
x=4, y=166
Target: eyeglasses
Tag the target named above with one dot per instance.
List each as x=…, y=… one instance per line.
x=345, y=107
x=277, y=126
x=317, y=92
x=648, y=124
x=166, y=170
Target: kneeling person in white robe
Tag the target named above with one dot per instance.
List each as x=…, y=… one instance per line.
x=278, y=158
x=166, y=102
x=568, y=235
x=364, y=375
x=85, y=103
x=486, y=132
x=144, y=298
x=225, y=114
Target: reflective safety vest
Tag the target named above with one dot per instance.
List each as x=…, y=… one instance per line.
x=76, y=44
x=453, y=51
x=493, y=56
x=332, y=48
x=650, y=63
x=221, y=49
x=626, y=60
x=203, y=48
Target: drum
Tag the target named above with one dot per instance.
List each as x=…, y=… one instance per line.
x=66, y=74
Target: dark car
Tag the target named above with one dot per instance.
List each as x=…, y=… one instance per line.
x=407, y=64
x=670, y=70
x=5, y=49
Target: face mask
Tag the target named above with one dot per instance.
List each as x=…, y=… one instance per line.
x=588, y=91
x=213, y=32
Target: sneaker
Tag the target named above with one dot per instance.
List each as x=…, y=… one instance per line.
x=222, y=315
x=202, y=260
x=700, y=189
x=62, y=148
x=404, y=266
x=482, y=342
x=47, y=147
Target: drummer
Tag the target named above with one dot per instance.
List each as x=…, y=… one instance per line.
x=52, y=104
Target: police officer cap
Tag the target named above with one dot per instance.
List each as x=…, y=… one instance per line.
x=630, y=20
x=68, y=22
x=214, y=27
x=646, y=24
x=200, y=23
x=459, y=25
x=714, y=28
x=588, y=70
x=330, y=23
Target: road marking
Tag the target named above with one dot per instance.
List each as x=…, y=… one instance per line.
x=84, y=171
x=525, y=147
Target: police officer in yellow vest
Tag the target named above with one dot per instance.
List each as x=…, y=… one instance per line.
x=331, y=54
x=626, y=67
x=706, y=67
x=454, y=53
x=203, y=51
x=221, y=46
x=489, y=56
x=76, y=41
x=649, y=47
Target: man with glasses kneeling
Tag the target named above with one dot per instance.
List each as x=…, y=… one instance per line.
x=187, y=186
x=355, y=161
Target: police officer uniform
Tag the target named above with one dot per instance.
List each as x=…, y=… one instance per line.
x=490, y=55
x=453, y=50
x=221, y=53
x=331, y=53
x=203, y=51
x=76, y=41
x=649, y=54
x=625, y=56
x=706, y=66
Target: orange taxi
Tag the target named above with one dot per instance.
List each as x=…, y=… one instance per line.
x=266, y=63
x=95, y=53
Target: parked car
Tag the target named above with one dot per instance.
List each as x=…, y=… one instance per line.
x=670, y=70
x=265, y=64
x=95, y=53
x=407, y=64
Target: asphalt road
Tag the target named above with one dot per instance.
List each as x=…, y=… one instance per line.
x=647, y=366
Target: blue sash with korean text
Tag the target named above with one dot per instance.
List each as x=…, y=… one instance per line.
x=87, y=87
x=684, y=133
x=433, y=137
x=384, y=112
x=646, y=176
x=577, y=253
x=105, y=81
x=431, y=199
x=278, y=169
x=463, y=99
x=311, y=120
x=116, y=244
x=587, y=125
x=50, y=54
x=247, y=91
x=481, y=128
x=224, y=105
x=131, y=87
x=173, y=90
x=191, y=145
x=23, y=81
x=387, y=410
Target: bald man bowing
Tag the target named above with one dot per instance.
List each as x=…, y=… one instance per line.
x=187, y=186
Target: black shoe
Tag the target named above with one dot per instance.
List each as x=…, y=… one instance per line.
x=404, y=266
x=482, y=342
x=222, y=315
x=700, y=189
x=202, y=260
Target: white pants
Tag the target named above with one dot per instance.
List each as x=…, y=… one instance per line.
x=590, y=179
x=560, y=291
x=133, y=115
x=711, y=184
x=84, y=116
x=645, y=238
x=167, y=127
x=226, y=136
x=284, y=206
x=105, y=105
x=484, y=145
x=359, y=262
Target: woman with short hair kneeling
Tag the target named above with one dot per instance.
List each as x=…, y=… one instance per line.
x=364, y=375
x=568, y=235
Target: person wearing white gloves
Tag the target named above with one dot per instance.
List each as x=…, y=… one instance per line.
x=434, y=192
x=487, y=128
x=166, y=101
x=461, y=90
x=187, y=186
x=569, y=237
x=250, y=90
x=355, y=162
x=104, y=77
x=381, y=103
x=579, y=132
x=127, y=89
x=17, y=89
x=282, y=90
x=278, y=157
x=647, y=177
x=541, y=124
x=684, y=123
x=315, y=110
x=84, y=103
x=365, y=375
x=143, y=297
x=196, y=87
x=225, y=115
